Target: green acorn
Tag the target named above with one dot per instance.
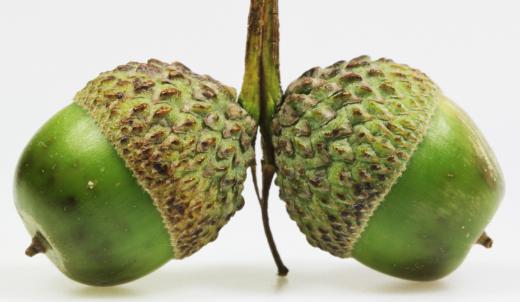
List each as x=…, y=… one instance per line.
x=146, y=165
x=375, y=163
x=149, y=163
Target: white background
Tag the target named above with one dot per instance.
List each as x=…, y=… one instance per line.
x=50, y=49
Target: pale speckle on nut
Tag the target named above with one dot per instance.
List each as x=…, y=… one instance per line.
x=91, y=185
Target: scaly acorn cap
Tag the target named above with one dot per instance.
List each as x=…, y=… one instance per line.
x=184, y=137
x=342, y=137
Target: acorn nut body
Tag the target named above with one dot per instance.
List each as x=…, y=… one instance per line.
x=146, y=165
x=375, y=163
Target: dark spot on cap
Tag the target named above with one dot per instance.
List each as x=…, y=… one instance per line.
x=180, y=208
x=124, y=140
x=161, y=168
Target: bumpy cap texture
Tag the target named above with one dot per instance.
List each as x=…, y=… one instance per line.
x=342, y=136
x=184, y=137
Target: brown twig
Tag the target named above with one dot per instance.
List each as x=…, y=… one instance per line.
x=259, y=95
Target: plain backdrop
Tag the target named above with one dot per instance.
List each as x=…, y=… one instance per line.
x=50, y=49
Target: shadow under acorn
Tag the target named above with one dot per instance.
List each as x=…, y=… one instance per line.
x=259, y=279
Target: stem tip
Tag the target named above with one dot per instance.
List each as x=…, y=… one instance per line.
x=37, y=246
x=485, y=241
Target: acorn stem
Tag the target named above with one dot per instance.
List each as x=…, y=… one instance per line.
x=485, y=241
x=270, y=95
x=259, y=95
x=249, y=96
x=267, y=177
x=255, y=180
x=37, y=245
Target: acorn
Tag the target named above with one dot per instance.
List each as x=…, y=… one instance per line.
x=375, y=163
x=146, y=165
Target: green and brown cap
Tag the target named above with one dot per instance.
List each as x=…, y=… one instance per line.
x=183, y=136
x=342, y=136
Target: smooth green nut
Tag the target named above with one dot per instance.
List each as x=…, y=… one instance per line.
x=95, y=222
x=147, y=165
x=375, y=163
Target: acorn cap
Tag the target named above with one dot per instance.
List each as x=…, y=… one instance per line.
x=343, y=136
x=184, y=137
